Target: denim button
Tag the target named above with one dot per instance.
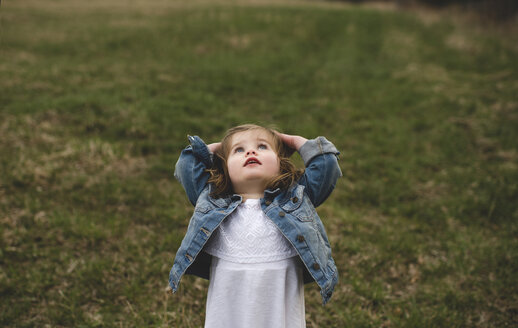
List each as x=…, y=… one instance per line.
x=295, y=199
x=282, y=214
x=316, y=266
x=268, y=202
x=300, y=238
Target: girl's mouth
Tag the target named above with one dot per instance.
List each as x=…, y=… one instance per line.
x=252, y=160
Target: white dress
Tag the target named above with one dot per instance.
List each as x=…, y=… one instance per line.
x=255, y=275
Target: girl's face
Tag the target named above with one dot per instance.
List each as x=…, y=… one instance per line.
x=252, y=160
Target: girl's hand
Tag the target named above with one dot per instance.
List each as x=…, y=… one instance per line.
x=213, y=147
x=291, y=141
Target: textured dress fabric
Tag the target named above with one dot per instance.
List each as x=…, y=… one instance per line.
x=248, y=236
x=256, y=277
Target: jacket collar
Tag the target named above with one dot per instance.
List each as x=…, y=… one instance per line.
x=223, y=201
x=295, y=190
x=271, y=194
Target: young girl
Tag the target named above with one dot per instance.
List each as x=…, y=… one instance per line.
x=255, y=232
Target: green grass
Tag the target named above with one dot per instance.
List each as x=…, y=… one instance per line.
x=96, y=100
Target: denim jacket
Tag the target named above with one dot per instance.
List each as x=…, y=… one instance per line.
x=292, y=211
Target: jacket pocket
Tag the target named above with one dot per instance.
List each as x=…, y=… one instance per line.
x=202, y=207
x=302, y=209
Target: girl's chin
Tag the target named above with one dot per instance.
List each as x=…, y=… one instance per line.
x=252, y=181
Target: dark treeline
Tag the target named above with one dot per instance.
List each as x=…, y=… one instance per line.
x=498, y=10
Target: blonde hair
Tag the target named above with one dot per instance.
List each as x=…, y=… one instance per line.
x=219, y=176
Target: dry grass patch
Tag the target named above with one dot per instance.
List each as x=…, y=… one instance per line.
x=46, y=158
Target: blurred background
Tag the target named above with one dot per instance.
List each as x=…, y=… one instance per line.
x=495, y=10
x=97, y=98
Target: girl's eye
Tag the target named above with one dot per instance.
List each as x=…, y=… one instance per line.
x=263, y=147
x=239, y=150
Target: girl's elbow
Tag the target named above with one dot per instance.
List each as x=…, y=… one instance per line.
x=333, y=171
x=323, y=195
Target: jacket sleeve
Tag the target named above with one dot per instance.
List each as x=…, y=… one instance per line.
x=322, y=170
x=190, y=169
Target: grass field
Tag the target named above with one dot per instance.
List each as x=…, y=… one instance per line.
x=96, y=100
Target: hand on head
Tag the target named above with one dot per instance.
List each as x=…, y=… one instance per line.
x=292, y=142
x=213, y=147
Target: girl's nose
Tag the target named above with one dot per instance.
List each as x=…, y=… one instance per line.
x=250, y=152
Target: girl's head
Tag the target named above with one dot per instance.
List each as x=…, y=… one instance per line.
x=251, y=158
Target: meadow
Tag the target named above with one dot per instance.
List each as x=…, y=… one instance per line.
x=97, y=99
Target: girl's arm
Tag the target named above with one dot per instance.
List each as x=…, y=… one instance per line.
x=321, y=160
x=190, y=169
